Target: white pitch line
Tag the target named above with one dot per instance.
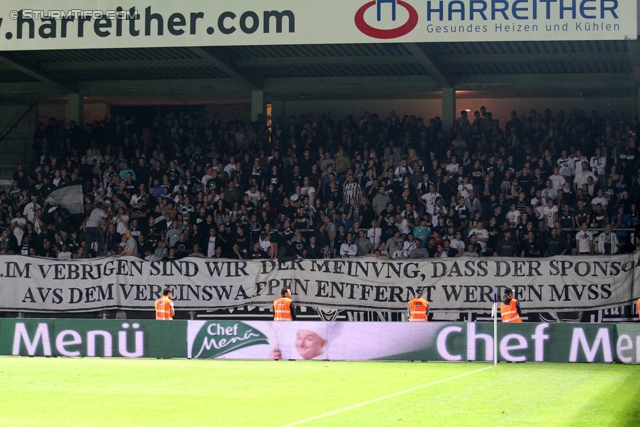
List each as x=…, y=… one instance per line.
x=378, y=399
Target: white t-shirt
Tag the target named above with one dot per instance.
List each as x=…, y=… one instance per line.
x=229, y=169
x=549, y=213
x=513, y=218
x=253, y=197
x=311, y=192
x=581, y=178
x=557, y=181
x=480, y=234
x=601, y=200
x=400, y=254
x=65, y=256
x=549, y=193
x=598, y=166
x=584, y=240
x=567, y=166
x=265, y=245
x=430, y=200
x=348, y=249
x=374, y=235
x=452, y=168
x=464, y=190
x=457, y=245
x=403, y=226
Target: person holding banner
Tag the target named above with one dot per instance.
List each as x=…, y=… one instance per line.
x=283, y=308
x=418, y=308
x=164, y=306
x=510, y=308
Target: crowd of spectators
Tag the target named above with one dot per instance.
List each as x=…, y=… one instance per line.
x=541, y=184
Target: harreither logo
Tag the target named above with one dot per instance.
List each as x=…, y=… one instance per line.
x=390, y=33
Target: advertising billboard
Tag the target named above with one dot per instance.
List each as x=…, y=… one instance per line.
x=75, y=24
x=352, y=341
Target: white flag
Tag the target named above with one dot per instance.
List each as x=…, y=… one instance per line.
x=69, y=197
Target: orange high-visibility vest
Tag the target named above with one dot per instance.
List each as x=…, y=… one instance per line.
x=638, y=307
x=282, y=309
x=509, y=312
x=164, y=309
x=418, y=308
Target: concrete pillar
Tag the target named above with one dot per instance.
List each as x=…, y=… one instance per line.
x=257, y=104
x=448, y=108
x=277, y=110
x=75, y=108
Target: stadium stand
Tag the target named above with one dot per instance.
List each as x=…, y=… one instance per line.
x=309, y=187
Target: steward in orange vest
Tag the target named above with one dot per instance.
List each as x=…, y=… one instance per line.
x=510, y=308
x=283, y=307
x=418, y=308
x=638, y=307
x=164, y=306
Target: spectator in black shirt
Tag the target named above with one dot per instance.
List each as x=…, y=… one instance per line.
x=530, y=246
x=506, y=247
x=555, y=245
x=599, y=218
x=313, y=250
x=581, y=215
x=257, y=253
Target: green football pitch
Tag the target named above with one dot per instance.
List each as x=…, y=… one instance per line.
x=119, y=392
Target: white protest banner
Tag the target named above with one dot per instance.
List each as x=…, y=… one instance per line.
x=45, y=285
x=456, y=284
x=101, y=24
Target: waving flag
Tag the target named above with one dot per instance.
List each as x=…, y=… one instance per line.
x=69, y=197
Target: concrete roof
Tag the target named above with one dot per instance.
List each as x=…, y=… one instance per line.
x=349, y=71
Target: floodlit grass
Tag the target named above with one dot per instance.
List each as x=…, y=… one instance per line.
x=118, y=392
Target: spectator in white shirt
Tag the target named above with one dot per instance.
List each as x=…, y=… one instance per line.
x=481, y=234
x=549, y=193
x=403, y=170
x=429, y=199
x=348, y=249
x=31, y=208
x=598, y=165
x=403, y=225
x=374, y=234
x=513, y=216
x=400, y=252
x=600, y=199
x=254, y=195
x=308, y=190
x=64, y=254
x=452, y=168
x=457, y=242
x=211, y=243
x=550, y=213
x=231, y=167
x=567, y=167
x=557, y=180
x=582, y=176
x=584, y=241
